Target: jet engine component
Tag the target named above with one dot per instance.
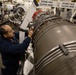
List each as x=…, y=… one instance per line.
x=54, y=47
x=18, y=16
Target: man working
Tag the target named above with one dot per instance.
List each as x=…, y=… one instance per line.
x=11, y=50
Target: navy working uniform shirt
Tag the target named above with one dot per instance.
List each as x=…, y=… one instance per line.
x=11, y=50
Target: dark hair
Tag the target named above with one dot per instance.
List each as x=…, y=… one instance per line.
x=2, y=31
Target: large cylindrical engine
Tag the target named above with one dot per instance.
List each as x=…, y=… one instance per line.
x=54, y=46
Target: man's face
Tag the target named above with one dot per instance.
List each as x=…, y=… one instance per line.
x=10, y=32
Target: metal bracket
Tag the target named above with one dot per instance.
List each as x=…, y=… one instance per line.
x=63, y=48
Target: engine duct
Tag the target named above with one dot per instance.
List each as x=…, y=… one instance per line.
x=54, y=46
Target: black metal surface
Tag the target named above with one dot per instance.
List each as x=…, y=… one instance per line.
x=35, y=2
x=54, y=47
x=4, y=22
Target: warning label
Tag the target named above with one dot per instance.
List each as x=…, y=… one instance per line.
x=48, y=3
x=68, y=5
x=60, y=4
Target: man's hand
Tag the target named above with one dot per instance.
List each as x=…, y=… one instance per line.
x=30, y=32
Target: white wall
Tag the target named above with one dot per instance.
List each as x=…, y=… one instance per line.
x=19, y=1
